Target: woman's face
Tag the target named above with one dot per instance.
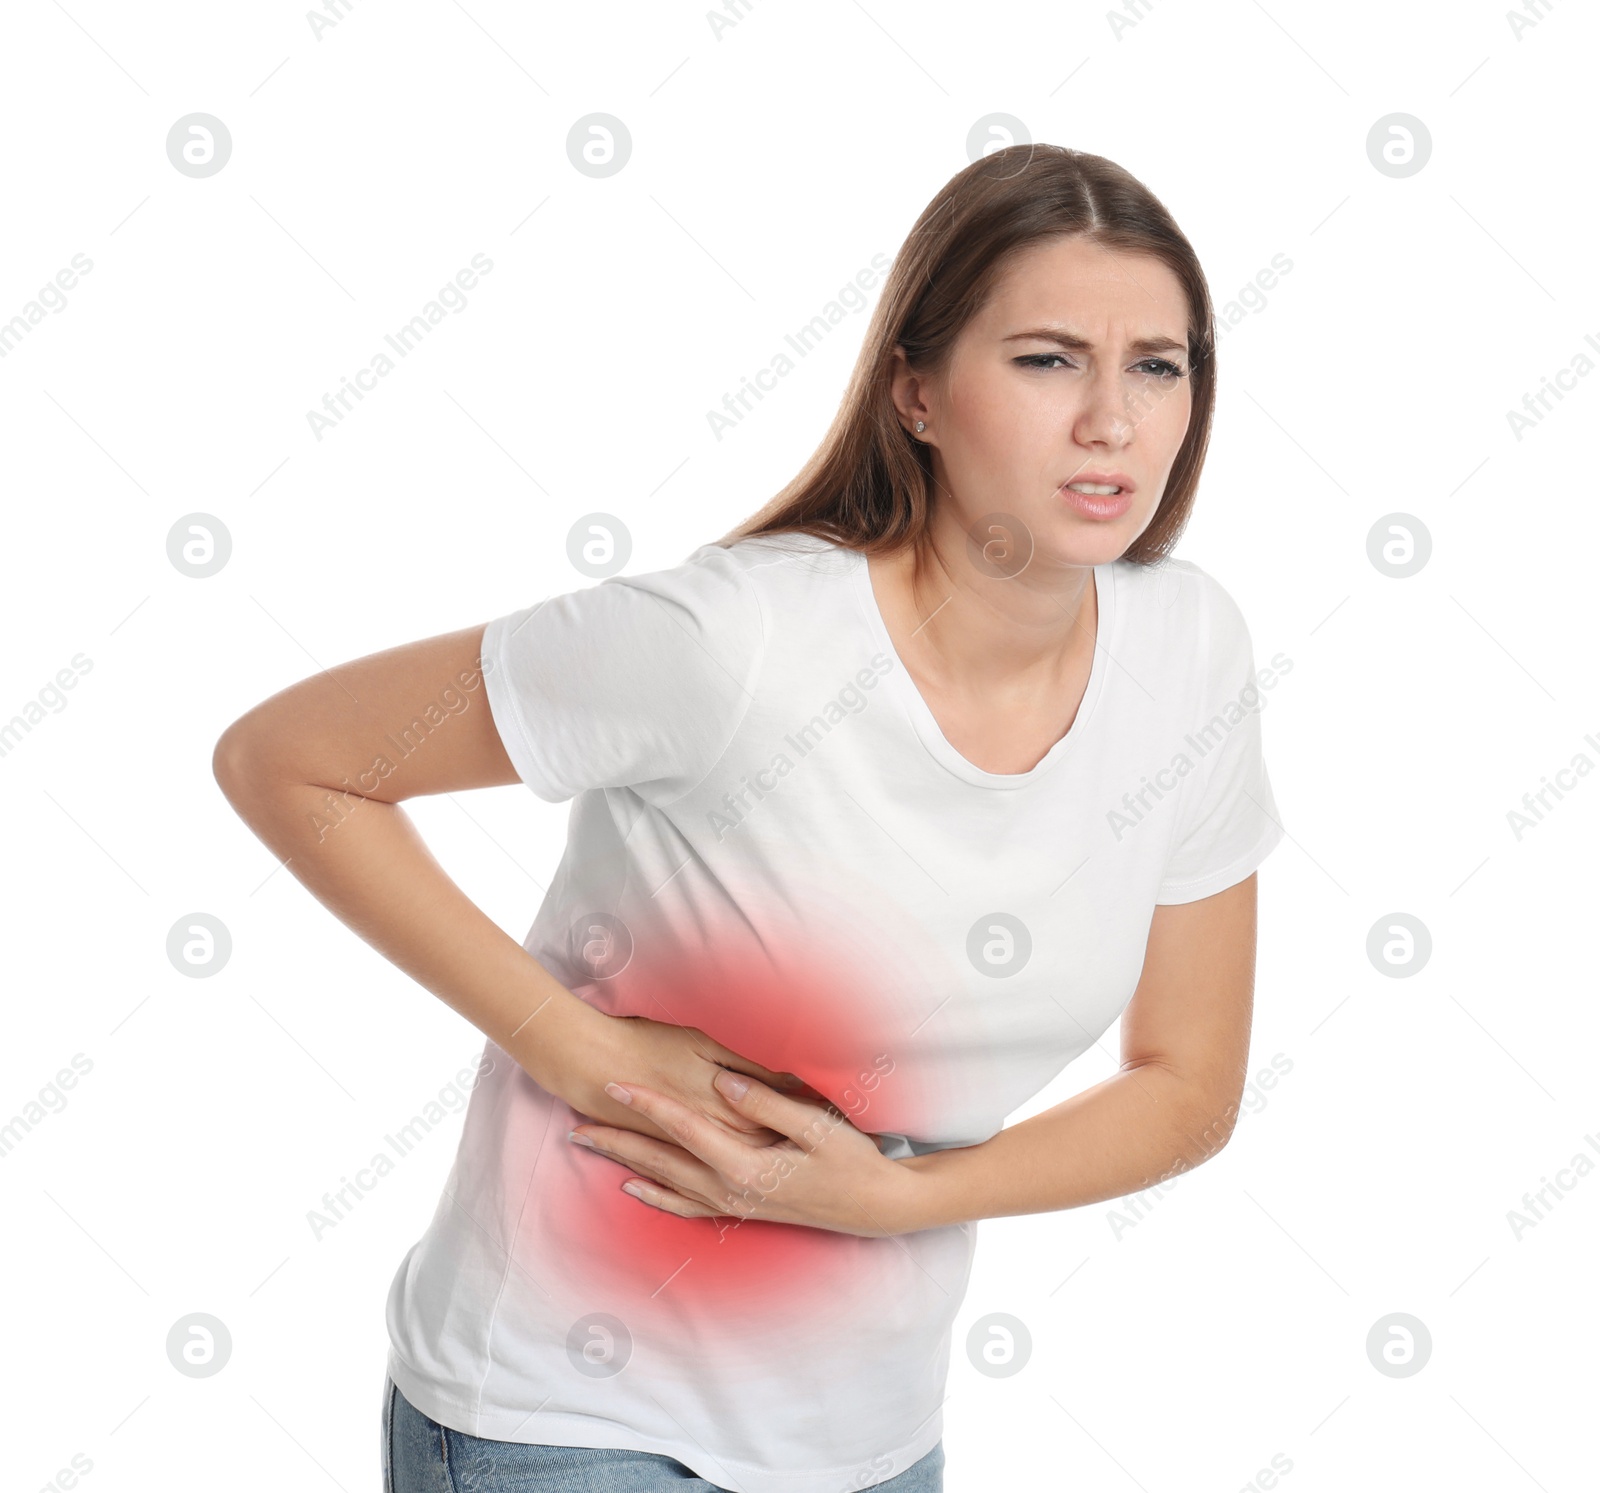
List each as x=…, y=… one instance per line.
x=1076, y=369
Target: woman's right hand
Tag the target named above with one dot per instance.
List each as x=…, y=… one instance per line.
x=370, y=868
x=676, y=1060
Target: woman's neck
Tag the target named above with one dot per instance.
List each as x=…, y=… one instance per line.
x=968, y=625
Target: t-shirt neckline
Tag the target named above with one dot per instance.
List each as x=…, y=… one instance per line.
x=927, y=726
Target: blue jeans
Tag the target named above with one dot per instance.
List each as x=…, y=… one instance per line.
x=421, y=1456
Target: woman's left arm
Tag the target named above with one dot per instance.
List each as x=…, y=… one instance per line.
x=1172, y=1105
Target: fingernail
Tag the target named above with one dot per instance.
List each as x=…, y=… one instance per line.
x=731, y=1084
x=580, y=1140
x=620, y=1094
x=633, y=1190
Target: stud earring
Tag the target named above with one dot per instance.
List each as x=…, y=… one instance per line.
x=921, y=426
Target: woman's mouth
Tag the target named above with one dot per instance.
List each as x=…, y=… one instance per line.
x=1098, y=500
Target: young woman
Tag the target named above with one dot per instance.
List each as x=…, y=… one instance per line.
x=884, y=808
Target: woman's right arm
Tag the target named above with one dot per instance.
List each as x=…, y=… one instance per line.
x=299, y=769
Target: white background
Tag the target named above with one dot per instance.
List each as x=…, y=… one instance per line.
x=1228, y=1325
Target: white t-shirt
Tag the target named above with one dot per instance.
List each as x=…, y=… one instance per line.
x=771, y=839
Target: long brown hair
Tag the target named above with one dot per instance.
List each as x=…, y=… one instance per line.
x=869, y=485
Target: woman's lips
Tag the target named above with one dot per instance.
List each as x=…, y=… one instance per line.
x=1095, y=506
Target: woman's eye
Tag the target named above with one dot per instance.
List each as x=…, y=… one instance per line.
x=1161, y=368
x=1155, y=367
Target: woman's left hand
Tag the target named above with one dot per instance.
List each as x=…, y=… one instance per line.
x=824, y=1173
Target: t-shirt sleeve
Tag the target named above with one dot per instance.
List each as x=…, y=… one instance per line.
x=637, y=682
x=1229, y=823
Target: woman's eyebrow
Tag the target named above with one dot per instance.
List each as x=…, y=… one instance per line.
x=1074, y=343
